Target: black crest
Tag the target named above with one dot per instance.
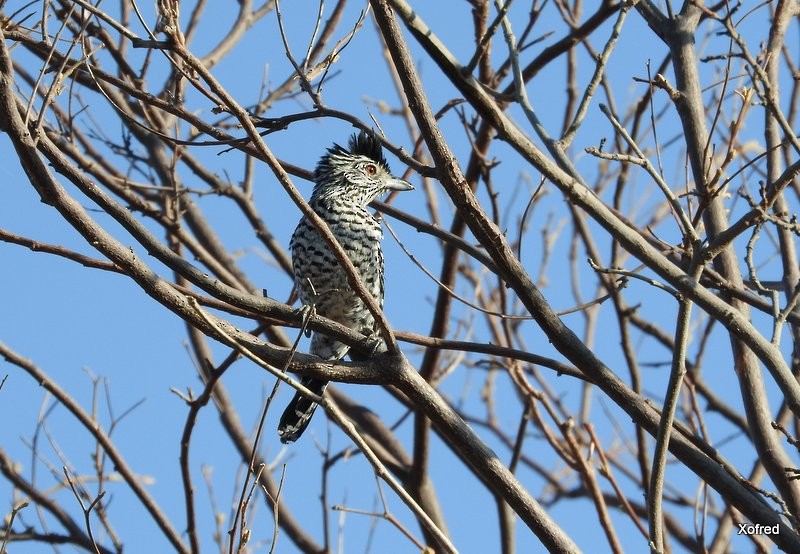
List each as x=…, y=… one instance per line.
x=364, y=144
x=367, y=144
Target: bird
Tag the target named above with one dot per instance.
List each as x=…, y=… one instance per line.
x=346, y=181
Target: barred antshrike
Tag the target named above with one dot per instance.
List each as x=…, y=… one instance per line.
x=346, y=181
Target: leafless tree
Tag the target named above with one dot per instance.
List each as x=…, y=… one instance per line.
x=650, y=144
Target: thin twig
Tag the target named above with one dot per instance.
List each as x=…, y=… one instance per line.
x=87, y=511
x=678, y=370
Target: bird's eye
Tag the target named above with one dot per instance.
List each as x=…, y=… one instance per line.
x=371, y=169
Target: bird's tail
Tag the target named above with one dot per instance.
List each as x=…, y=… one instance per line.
x=297, y=414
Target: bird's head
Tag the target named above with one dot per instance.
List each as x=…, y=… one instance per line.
x=359, y=172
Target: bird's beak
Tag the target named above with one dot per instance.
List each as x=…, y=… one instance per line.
x=398, y=184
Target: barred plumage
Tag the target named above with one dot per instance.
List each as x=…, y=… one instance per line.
x=346, y=181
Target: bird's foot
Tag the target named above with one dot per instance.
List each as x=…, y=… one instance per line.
x=375, y=344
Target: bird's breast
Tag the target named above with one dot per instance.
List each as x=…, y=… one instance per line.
x=319, y=277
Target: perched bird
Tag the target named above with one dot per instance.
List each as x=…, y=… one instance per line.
x=346, y=180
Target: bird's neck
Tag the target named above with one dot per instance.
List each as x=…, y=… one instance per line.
x=332, y=198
